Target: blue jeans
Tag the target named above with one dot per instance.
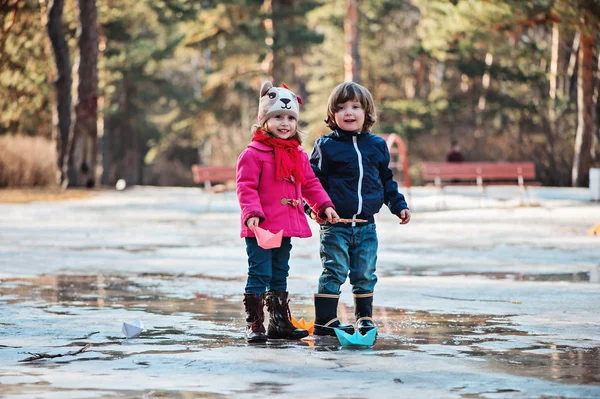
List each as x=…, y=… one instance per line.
x=346, y=249
x=267, y=268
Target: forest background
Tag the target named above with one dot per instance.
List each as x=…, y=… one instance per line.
x=93, y=91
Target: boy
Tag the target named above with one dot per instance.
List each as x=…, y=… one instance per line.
x=353, y=167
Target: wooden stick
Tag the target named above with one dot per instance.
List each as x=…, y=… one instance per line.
x=353, y=220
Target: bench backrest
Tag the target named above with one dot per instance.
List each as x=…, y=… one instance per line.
x=474, y=170
x=213, y=174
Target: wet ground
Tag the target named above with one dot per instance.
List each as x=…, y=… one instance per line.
x=497, y=302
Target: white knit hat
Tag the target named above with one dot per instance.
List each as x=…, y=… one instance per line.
x=277, y=101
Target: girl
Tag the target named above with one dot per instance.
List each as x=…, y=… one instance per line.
x=273, y=177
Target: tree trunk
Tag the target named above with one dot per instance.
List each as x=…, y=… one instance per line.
x=478, y=146
x=554, y=64
x=282, y=68
x=552, y=92
x=351, y=56
x=596, y=99
x=267, y=64
x=299, y=81
x=585, y=121
x=122, y=148
x=420, y=68
x=83, y=146
x=61, y=112
x=568, y=87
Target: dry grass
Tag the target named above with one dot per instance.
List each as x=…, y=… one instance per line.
x=164, y=172
x=28, y=171
x=24, y=195
x=27, y=161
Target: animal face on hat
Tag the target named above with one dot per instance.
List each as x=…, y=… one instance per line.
x=277, y=101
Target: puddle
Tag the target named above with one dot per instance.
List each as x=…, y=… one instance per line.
x=575, y=277
x=59, y=313
x=133, y=249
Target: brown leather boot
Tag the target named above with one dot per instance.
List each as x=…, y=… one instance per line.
x=255, y=329
x=280, y=326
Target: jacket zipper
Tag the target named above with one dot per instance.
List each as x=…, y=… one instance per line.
x=360, y=179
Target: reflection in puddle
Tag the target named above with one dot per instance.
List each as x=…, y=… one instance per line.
x=204, y=322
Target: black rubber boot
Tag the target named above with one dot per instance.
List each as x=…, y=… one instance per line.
x=280, y=326
x=363, y=310
x=326, y=315
x=255, y=329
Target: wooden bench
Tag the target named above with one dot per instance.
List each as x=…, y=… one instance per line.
x=213, y=175
x=480, y=173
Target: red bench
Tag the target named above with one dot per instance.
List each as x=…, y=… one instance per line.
x=213, y=175
x=480, y=173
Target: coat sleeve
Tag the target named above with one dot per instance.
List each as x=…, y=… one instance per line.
x=247, y=180
x=391, y=197
x=312, y=190
x=319, y=170
x=318, y=163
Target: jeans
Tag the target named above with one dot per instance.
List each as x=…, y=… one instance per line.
x=267, y=268
x=346, y=249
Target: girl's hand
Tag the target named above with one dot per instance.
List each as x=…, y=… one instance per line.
x=317, y=219
x=251, y=222
x=332, y=216
x=404, y=216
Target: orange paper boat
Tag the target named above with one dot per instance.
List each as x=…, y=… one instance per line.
x=304, y=325
x=266, y=239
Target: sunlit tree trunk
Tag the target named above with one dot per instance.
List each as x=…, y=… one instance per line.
x=351, y=56
x=481, y=104
x=61, y=111
x=83, y=146
x=554, y=63
x=552, y=93
x=585, y=121
x=568, y=87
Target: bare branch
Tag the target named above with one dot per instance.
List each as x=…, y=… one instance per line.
x=38, y=356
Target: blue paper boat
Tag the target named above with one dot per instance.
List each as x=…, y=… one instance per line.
x=356, y=339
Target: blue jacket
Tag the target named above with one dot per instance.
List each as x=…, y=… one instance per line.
x=353, y=167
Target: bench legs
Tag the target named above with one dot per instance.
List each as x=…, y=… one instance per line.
x=523, y=191
x=441, y=204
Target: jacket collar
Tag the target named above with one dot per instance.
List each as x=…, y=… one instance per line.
x=345, y=134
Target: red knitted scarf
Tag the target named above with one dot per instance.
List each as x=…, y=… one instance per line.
x=288, y=163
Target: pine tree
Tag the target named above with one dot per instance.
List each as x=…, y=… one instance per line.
x=139, y=37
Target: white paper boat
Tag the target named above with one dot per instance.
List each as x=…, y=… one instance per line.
x=131, y=330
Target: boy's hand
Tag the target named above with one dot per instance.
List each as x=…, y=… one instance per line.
x=332, y=216
x=404, y=216
x=251, y=222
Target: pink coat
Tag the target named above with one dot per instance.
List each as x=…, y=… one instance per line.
x=278, y=203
